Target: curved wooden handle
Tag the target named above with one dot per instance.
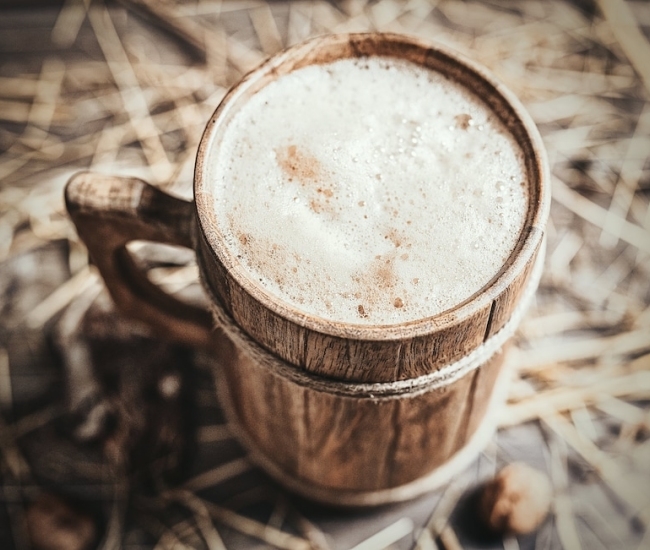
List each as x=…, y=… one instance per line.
x=109, y=212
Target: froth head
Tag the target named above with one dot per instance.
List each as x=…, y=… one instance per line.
x=366, y=182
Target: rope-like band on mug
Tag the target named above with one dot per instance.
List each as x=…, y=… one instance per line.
x=427, y=382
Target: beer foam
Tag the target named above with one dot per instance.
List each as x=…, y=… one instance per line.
x=368, y=191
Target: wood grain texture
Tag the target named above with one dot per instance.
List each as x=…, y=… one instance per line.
x=110, y=212
x=373, y=353
x=320, y=433
x=504, y=304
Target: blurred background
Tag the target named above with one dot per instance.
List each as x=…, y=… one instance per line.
x=112, y=438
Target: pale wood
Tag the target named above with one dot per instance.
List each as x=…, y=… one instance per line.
x=373, y=353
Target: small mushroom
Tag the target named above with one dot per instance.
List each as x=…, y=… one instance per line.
x=516, y=501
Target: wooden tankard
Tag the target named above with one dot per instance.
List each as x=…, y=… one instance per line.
x=343, y=413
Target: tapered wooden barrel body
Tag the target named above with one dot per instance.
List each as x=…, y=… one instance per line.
x=355, y=414
x=356, y=444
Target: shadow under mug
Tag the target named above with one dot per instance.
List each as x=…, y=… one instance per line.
x=342, y=413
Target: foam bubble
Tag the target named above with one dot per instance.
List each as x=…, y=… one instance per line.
x=368, y=191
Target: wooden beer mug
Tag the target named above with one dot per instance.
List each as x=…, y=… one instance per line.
x=342, y=413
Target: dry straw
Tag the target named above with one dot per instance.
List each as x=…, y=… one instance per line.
x=583, y=351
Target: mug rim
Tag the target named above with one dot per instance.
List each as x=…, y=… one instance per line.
x=362, y=44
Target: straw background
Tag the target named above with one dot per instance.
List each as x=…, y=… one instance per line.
x=125, y=88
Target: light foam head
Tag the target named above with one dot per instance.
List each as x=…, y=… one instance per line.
x=367, y=191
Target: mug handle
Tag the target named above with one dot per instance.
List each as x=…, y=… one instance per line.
x=109, y=212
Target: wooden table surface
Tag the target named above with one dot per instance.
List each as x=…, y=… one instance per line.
x=125, y=88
